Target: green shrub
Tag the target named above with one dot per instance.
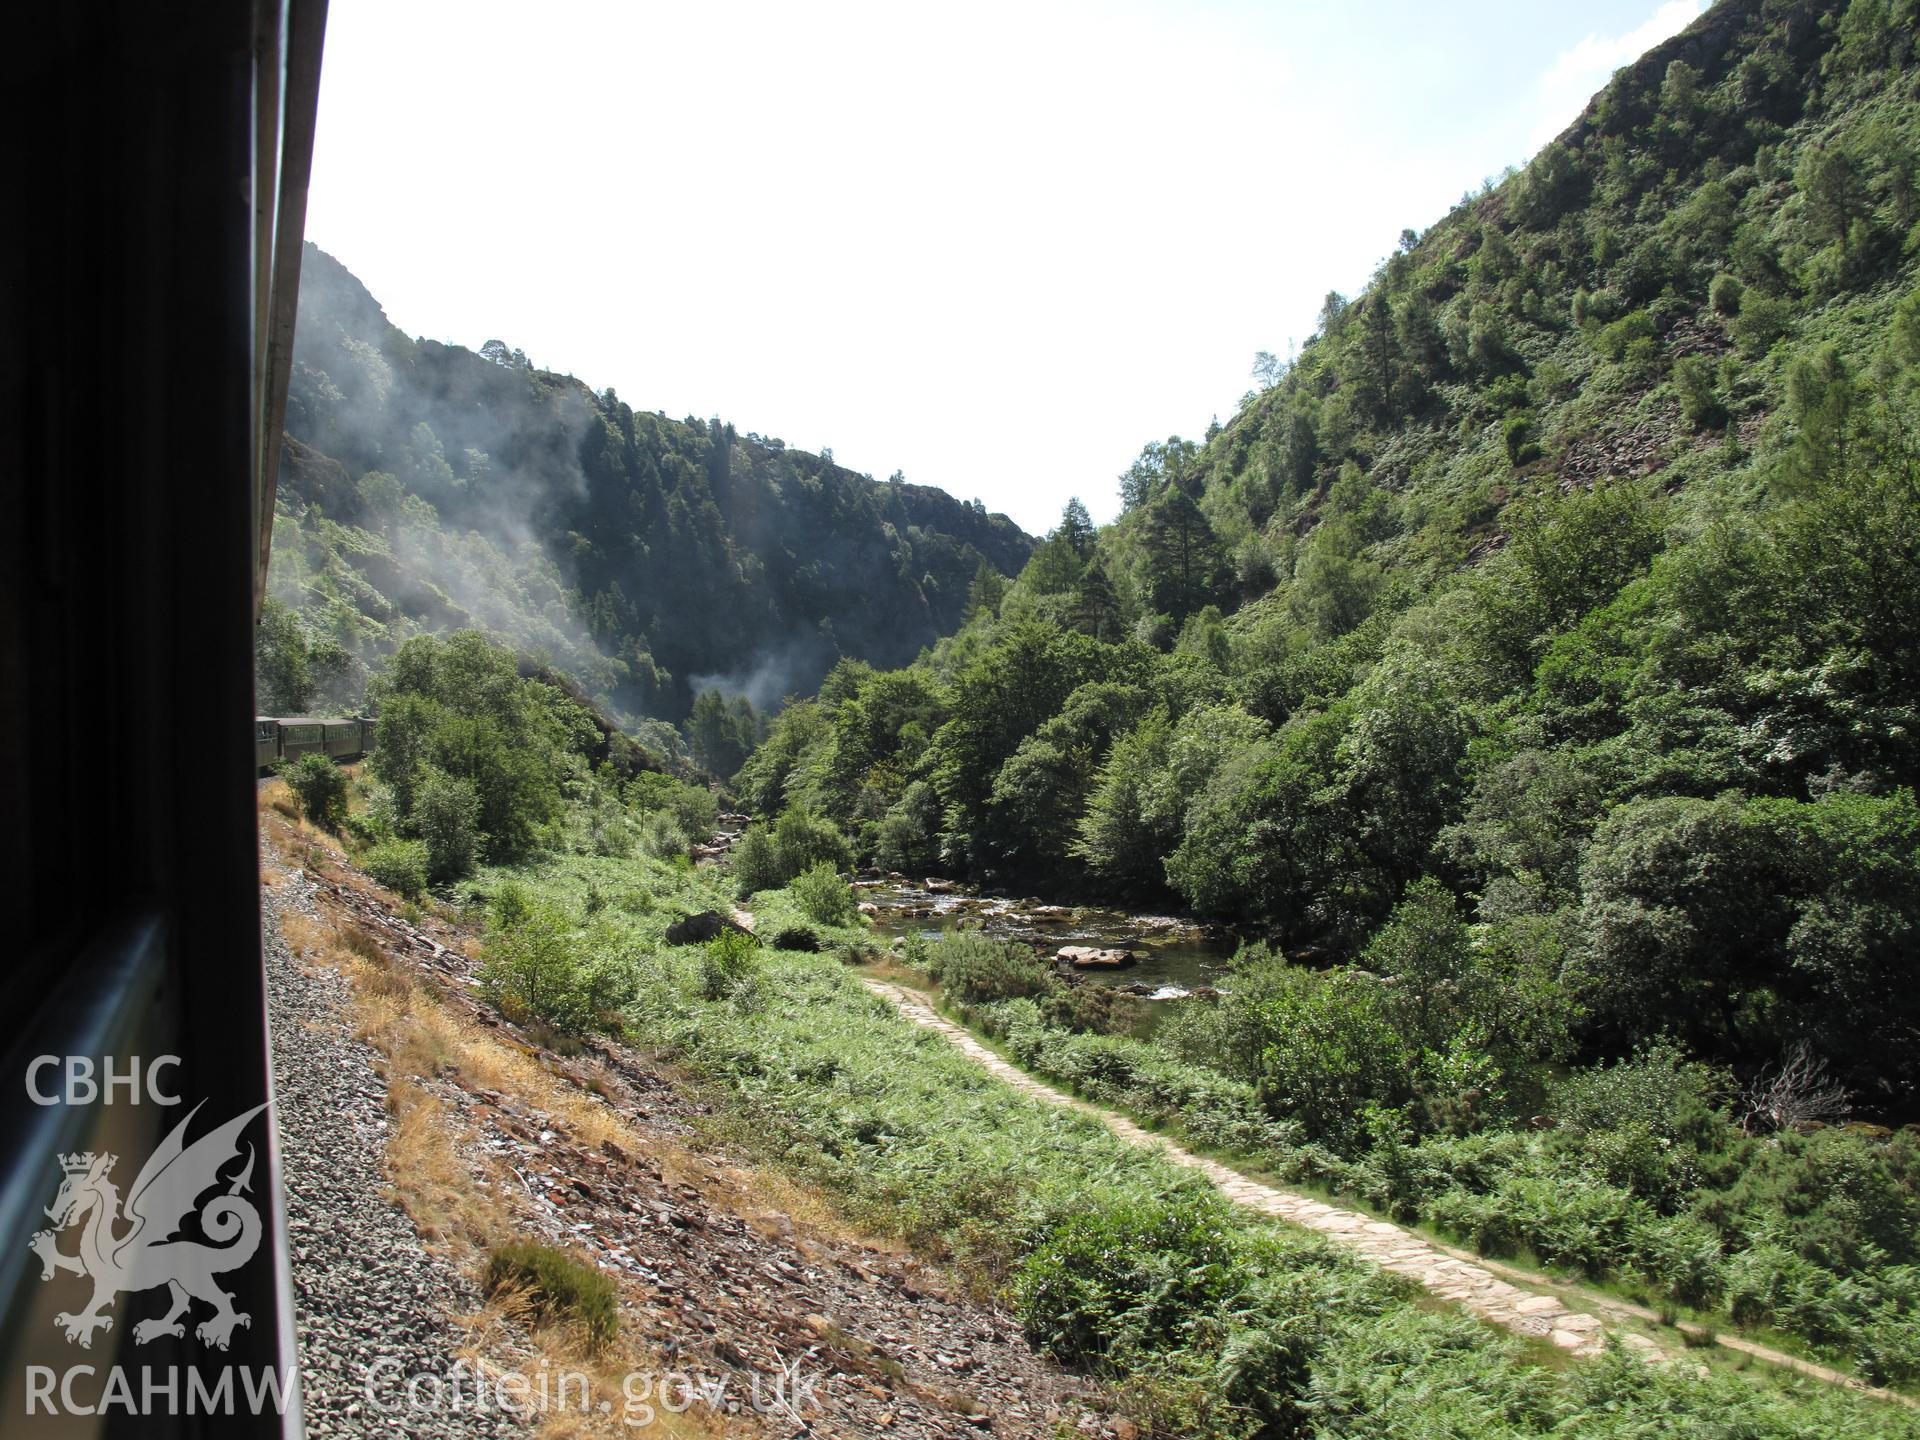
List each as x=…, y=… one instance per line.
x=1699, y=401
x=1762, y=320
x=766, y=859
x=321, y=788
x=1886, y=1340
x=908, y=837
x=1089, y=1008
x=692, y=807
x=662, y=837
x=457, y=703
x=375, y=820
x=1615, y=340
x=825, y=897
x=1128, y=1278
x=1724, y=295
x=727, y=960
x=1636, y=1159
x=512, y=903
x=400, y=865
x=1482, y=1221
x=756, y=862
x=1517, y=434
x=806, y=840
x=974, y=968
x=1853, y=1200
x=1761, y=1278
x=1657, y=1087
x=1333, y=1049
x=558, y=1287
x=540, y=968
x=446, y=815
x=1682, y=1257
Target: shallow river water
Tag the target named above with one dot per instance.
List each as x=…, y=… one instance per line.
x=1176, y=955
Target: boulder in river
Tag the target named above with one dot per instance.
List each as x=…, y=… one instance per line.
x=1091, y=957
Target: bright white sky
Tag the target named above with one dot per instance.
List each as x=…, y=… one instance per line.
x=998, y=246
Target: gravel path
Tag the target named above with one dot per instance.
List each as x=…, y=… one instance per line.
x=368, y=1299
x=1392, y=1248
x=1449, y=1274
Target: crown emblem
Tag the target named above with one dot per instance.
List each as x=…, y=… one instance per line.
x=77, y=1164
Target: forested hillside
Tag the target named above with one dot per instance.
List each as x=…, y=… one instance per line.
x=1527, y=675
x=1542, y=637
x=426, y=487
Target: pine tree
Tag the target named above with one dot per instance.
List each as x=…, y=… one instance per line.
x=1185, y=564
x=1076, y=527
x=1096, y=609
x=989, y=588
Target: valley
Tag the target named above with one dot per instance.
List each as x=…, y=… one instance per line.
x=1409, y=930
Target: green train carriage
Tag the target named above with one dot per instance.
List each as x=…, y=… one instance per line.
x=342, y=738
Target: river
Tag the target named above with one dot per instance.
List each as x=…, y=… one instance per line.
x=1174, y=955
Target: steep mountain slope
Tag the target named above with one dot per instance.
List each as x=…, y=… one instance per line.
x=1559, y=600
x=426, y=487
x=1630, y=304
x=1530, y=671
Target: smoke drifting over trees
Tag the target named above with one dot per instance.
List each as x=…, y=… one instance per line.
x=427, y=487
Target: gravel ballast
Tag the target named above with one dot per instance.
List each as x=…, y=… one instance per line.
x=371, y=1305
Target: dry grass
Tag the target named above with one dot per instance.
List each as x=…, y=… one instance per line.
x=278, y=795
x=462, y=1199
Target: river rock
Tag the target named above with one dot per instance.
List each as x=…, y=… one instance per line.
x=1051, y=912
x=1090, y=957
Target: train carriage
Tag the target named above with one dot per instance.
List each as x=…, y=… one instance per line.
x=302, y=736
x=340, y=738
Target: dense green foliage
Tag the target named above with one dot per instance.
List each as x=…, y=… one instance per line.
x=1634, y=1172
x=480, y=758
x=321, y=788
x=400, y=865
x=1545, y=632
x=1216, y=1323
x=1531, y=663
x=1534, y=656
x=541, y=965
x=428, y=488
x=770, y=856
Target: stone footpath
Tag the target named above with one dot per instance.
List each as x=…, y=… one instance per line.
x=1392, y=1248
x=1449, y=1275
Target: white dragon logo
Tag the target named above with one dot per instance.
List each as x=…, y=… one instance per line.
x=146, y=1255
